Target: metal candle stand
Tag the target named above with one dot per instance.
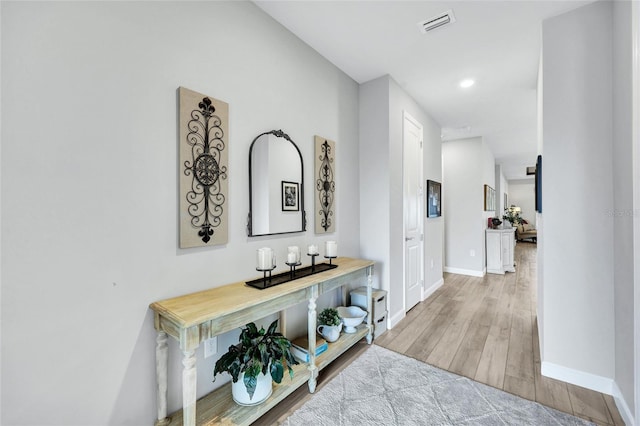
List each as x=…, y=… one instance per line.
x=313, y=261
x=292, y=268
x=330, y=258
x=267, y=274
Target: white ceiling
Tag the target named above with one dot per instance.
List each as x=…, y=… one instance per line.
x=497, y=43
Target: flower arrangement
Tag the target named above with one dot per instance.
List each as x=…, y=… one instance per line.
x=512, y=214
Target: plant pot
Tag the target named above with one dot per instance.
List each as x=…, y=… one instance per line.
x=331, y=333
x=263, y=391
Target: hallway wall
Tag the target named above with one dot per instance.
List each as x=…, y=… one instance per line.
x=578, y=276
x=89, y=188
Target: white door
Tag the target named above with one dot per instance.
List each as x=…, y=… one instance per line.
x=413, y=210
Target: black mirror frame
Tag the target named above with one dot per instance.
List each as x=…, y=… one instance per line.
x=280, y=134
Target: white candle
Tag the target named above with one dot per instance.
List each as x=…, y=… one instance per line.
x=295, y=250
x=313, y=249
x=291, y=258
x=331, y=249
x=265, y=258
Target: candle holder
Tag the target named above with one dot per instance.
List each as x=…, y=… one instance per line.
x=313, y=261
x=267, y=274
x=292, y=268
x=330, y=258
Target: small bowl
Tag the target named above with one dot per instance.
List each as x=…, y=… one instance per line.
x=352, y=316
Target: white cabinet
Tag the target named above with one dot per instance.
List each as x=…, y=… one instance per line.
x=500, y=245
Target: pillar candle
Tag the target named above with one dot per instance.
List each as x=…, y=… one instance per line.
x=265, y=258
x=296, y=251
x=313, y=249
x=331, y=249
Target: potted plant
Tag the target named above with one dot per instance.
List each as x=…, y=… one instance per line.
x=329, y=324
x=259, y=352
x=512, y=215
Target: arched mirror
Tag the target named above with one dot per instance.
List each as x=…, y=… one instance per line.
x=276, y=186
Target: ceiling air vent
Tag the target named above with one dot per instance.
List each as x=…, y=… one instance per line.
x=437, y=21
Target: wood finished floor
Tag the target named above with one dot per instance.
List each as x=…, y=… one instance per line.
x=486, y=329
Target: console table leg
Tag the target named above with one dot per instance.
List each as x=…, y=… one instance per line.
x=369, y=305
x=162, y=354
x=311, y=335
x=189, y=388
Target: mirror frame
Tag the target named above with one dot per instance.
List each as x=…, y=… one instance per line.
x=303, y=213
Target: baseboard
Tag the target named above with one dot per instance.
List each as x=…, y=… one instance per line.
x=578, y=378
x=429, y=291
x=394, y=320
x=469, y=272
x=623, y=408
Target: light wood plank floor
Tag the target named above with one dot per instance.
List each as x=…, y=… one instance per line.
x=486, y=329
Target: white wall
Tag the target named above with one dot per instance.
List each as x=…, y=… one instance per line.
x=622, y=213
x=433, y=227
x=467, y=165
x=382, y=102
x=374, y=178
x=502, y=188
x=522, y=193
x=89, y=187
x=579, y=331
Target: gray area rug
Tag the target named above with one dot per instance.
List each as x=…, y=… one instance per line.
x=383, y=387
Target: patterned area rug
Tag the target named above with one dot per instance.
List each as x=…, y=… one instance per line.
x=383, y=387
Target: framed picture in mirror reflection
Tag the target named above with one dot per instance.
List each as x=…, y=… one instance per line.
x=290, y=196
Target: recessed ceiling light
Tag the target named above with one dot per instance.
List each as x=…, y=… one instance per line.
x=467, y=83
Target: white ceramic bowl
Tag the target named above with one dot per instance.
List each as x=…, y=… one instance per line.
x=352, y=316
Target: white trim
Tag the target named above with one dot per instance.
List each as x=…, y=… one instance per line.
x=623, y=408
x=579, y=378
x=394, y=320
x=635, y=148
x=469, y=272
x=429, y=291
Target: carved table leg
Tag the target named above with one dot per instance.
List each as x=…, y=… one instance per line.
x=162, y=354
x=369, y=305
x=189, y=388
x=311, y=334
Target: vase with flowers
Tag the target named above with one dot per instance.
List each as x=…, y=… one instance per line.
x=512, y=215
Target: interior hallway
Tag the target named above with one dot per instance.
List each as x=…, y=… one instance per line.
x=486, y=329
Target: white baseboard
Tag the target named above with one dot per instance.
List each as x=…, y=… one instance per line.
x=623, y=408
x=578, y=378
x=429, y=291
x=469, y=272
x=394, y=320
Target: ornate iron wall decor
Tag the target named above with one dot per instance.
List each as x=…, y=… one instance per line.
x=204, y=123
x=325, y=185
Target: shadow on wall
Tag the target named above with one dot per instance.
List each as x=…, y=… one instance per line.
x=136, y=399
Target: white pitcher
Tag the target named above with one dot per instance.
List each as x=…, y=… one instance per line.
x=331, y=333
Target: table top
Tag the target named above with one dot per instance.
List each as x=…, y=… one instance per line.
x=196, y=308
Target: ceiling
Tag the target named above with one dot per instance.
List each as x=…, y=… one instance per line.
x=496, y=43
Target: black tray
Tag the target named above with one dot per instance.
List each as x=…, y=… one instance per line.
x=285, y=277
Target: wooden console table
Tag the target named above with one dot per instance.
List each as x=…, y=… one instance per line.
x=196, y=317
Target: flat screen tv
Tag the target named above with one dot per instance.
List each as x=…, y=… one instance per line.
x=539, y=184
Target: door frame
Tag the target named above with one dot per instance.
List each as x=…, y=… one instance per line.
x=635, y=111
x=406, y=116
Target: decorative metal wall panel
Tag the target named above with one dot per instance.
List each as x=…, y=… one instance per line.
x=325, y=183
x=203, y=169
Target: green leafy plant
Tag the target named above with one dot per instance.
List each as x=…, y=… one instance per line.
x=512, y=215
x=329, y=316
x=259, y=351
